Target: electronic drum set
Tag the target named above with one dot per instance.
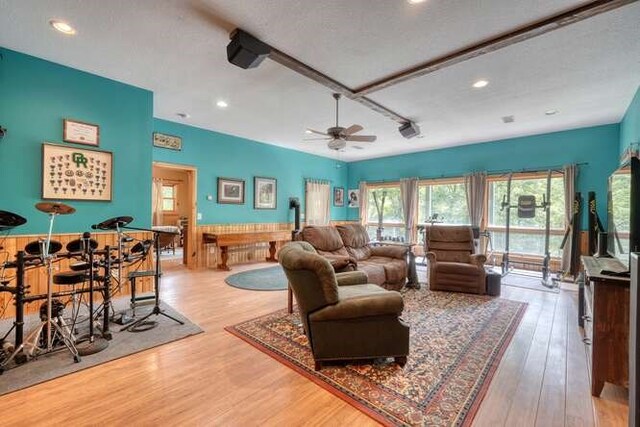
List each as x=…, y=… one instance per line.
x=91, y=270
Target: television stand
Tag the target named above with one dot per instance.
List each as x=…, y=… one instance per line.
x=606, y=322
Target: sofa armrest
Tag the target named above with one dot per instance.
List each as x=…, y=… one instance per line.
x=349, y=278
x=390, y=251
x=478, y=259
x=341, y=262
x=376, y=304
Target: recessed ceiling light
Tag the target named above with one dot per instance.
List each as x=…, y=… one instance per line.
x=63, y=27
x=480, y=84
x=551, y=112
x=183, y=115
x=222, y=104
x=416, y=1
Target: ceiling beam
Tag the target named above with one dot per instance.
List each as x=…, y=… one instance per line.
x=521, y=34
x=315, y=75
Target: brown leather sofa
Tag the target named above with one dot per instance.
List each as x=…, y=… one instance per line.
x=452, y=264
x=327, y=242
x=343, y=316
x=385, y=265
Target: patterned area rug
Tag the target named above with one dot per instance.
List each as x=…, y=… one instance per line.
x=457, y=342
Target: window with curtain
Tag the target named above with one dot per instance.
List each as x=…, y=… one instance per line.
x=318, y=202
x=526, y=234
x=384, y=212
x=446, y=198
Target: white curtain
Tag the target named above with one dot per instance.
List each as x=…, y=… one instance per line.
x=156, y=201
x=409, y=198
x=570, y=174
x=364, y=202
x=318, y=202
x=475, y=185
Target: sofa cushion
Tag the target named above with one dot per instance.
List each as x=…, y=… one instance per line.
x=359, y=301
x=356, y=240
x=458, y=269
x=325, y=239
x=374, y=271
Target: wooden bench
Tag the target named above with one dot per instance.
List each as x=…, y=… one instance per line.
x=223, y=241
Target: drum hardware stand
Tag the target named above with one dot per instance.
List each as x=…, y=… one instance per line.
x=143, y=324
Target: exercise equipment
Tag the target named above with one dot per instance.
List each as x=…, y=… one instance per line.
x=526, y=208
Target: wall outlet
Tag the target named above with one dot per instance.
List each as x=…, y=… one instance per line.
x=199, y=216
x=209, y=197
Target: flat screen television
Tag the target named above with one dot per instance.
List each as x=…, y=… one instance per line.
x=623, y=211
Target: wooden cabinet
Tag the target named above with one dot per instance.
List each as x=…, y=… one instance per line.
x=606, y=325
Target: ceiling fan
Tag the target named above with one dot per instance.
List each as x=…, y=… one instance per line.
x=338, y=136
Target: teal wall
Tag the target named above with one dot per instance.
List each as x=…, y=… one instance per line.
x=35, y=96
x=220, y=155
x=596, y=146
x=630, y=125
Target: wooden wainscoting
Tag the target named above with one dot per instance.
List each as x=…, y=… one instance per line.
x=207, y=255
x=37, y=277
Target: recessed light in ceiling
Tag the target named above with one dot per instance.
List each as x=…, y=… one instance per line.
x=551, y=112
x=183, y=115
x=62, y=27
x=415, y=1
x=480, y=84
x=222, y=104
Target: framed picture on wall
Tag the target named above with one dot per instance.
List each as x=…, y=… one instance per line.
x=338, y=196
x=71, y=173
x=80, y=132
x=265, y=193
x=354, y=198
x=231, y=191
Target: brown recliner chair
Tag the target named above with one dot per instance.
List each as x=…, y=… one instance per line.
x=452, y=264
x=343, y=316
x=327, y=242
x=385, y=265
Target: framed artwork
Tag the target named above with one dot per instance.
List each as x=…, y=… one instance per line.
x=265, y=193
x=354, y=198
x=231, y=191
x=70, y=173
x=167, y=141
x=80, y=133
x=338, y=196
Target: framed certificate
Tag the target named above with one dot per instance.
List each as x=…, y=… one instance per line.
x=80, y=132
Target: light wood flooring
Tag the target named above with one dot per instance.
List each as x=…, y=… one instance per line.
x=216, y=379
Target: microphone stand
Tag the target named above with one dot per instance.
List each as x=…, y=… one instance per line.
x=142, y=322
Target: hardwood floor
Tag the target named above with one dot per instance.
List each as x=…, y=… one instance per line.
x=216, y=379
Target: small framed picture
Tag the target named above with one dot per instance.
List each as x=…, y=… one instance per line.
x=265, y=193
x=338, y=196
x=167, y=141
x=231, y=191
x=80, y=132
x=354, y=198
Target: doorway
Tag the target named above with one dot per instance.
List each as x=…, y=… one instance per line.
x=174, y=209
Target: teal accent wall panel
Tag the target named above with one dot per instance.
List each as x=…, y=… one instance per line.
x=35, y=96
x=597, y=146
x=221, y=155
x=630, y=125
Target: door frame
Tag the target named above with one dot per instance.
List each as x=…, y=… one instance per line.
x=190, y=247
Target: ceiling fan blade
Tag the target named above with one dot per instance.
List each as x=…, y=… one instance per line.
x=361, y=138
x=317, y=132
x=318, y=139
x=352, y=129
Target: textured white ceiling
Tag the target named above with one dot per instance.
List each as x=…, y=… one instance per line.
x=589, y=71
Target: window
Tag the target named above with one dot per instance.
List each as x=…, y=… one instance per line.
x=384, y=213
x=526, y=234
x=169, y=201
x=444, y=200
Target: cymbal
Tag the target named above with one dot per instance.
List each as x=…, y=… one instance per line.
x=9, y=220
x=55, y=208
x=113, y=223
